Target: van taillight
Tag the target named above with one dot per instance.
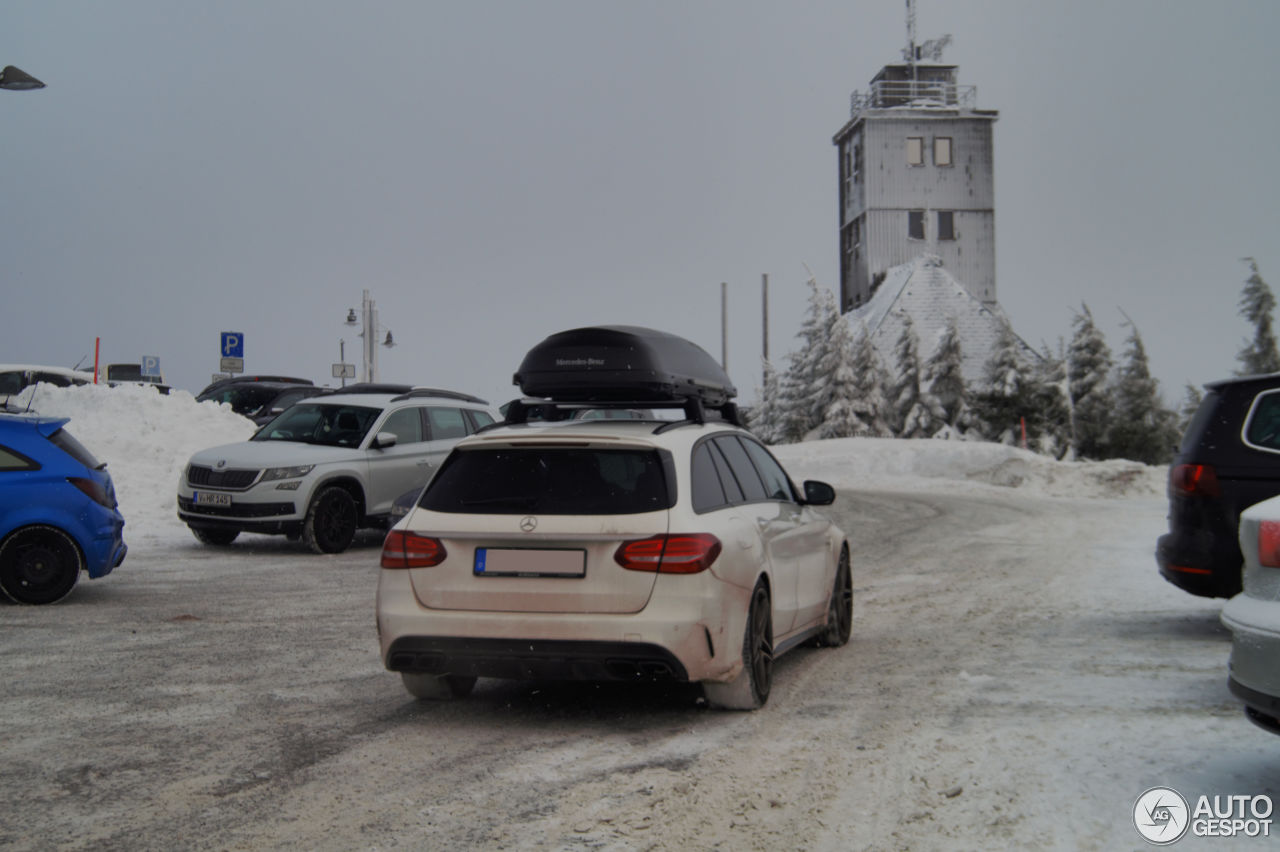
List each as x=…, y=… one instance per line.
x=669, y=554
x=1269, y=544
x=403, y=549
x=1194, y=480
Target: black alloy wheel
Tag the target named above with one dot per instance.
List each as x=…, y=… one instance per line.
x=39, y=565
x=331, y=521
x=840, y=609
x=757, y=646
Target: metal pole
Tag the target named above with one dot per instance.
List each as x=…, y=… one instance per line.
x=369, y=332
x=764, y=312
x=724, y=325
x=342, y=359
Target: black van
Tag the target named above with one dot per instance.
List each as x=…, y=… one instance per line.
x=1229, y=460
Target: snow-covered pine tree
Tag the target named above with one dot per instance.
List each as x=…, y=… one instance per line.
x=1141, y=428
x=1005, y=397
x=1049, y=423
x=1256, y=305
x=765, y=418
x=801, y=412
x=909, y=415
x=837, y=383
x=870, y=381
x=1191, y=400
x=942, y=389
x=1088, y=370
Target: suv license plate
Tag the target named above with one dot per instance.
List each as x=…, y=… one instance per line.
x=529, y=562
x=212, y=498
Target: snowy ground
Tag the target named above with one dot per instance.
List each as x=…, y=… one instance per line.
x=1018, y=675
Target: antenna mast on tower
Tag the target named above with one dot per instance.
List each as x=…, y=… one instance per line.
x=931, y=49
x=910, y=51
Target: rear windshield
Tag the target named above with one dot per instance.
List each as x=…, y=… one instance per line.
x=63, y=440
x=549, y=481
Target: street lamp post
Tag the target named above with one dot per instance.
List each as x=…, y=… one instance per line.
x=17, y=80
x=369, y=328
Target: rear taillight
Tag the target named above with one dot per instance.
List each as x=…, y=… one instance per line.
x=1269, y=544
x=94, y=490
x=669, y=554
x=403, y=549
x=1194, y=480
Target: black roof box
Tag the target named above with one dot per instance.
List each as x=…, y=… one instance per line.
x=622, y=362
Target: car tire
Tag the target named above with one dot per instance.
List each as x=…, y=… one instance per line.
x=39, y=565
x=750, y=689
x=215, y=535
x=431, y=687
x=331, y=521
x=840, y=608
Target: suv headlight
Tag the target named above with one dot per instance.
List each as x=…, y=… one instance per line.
x=273, y=473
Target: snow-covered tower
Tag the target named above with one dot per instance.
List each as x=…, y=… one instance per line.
x=916, y=177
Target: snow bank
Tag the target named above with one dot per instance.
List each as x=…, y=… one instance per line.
x=890, y=463
x=146, y=439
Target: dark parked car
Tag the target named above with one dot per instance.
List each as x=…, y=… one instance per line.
x=1228, y=461
x=58, y=512
x=246, y=378
x=260, y=401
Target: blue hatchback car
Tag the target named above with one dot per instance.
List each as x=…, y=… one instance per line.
x=58, y=513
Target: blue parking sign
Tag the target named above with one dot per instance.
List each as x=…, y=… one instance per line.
x=232, y=344
x=151, y=365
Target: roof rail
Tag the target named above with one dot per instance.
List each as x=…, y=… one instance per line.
x=526, y=409
x=440, y=392
x=374, y=387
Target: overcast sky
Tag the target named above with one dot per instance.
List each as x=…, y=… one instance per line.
x=494, y=172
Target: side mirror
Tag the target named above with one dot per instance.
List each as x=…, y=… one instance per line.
x=383, y=440
x=818, y=493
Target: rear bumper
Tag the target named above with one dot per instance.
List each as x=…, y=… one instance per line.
x=106, y=549
x=1255, y=646
x=687, y=637
x=1262, y=709
x=1201, y=564
x=536, y=659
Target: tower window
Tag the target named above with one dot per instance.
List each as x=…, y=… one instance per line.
x=942, y=151
x=915, y=224
x=946, y=225
x=915, y=150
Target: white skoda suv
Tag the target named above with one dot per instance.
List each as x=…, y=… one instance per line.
x=326, y=466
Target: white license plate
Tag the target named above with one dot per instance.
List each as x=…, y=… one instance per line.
x=212, y=498
x=529, y=562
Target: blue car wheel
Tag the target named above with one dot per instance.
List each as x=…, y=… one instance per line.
x=39, y=565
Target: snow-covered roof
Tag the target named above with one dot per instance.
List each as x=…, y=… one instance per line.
x=927, y=292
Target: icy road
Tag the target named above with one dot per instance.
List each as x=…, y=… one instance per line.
x=1018, y=676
